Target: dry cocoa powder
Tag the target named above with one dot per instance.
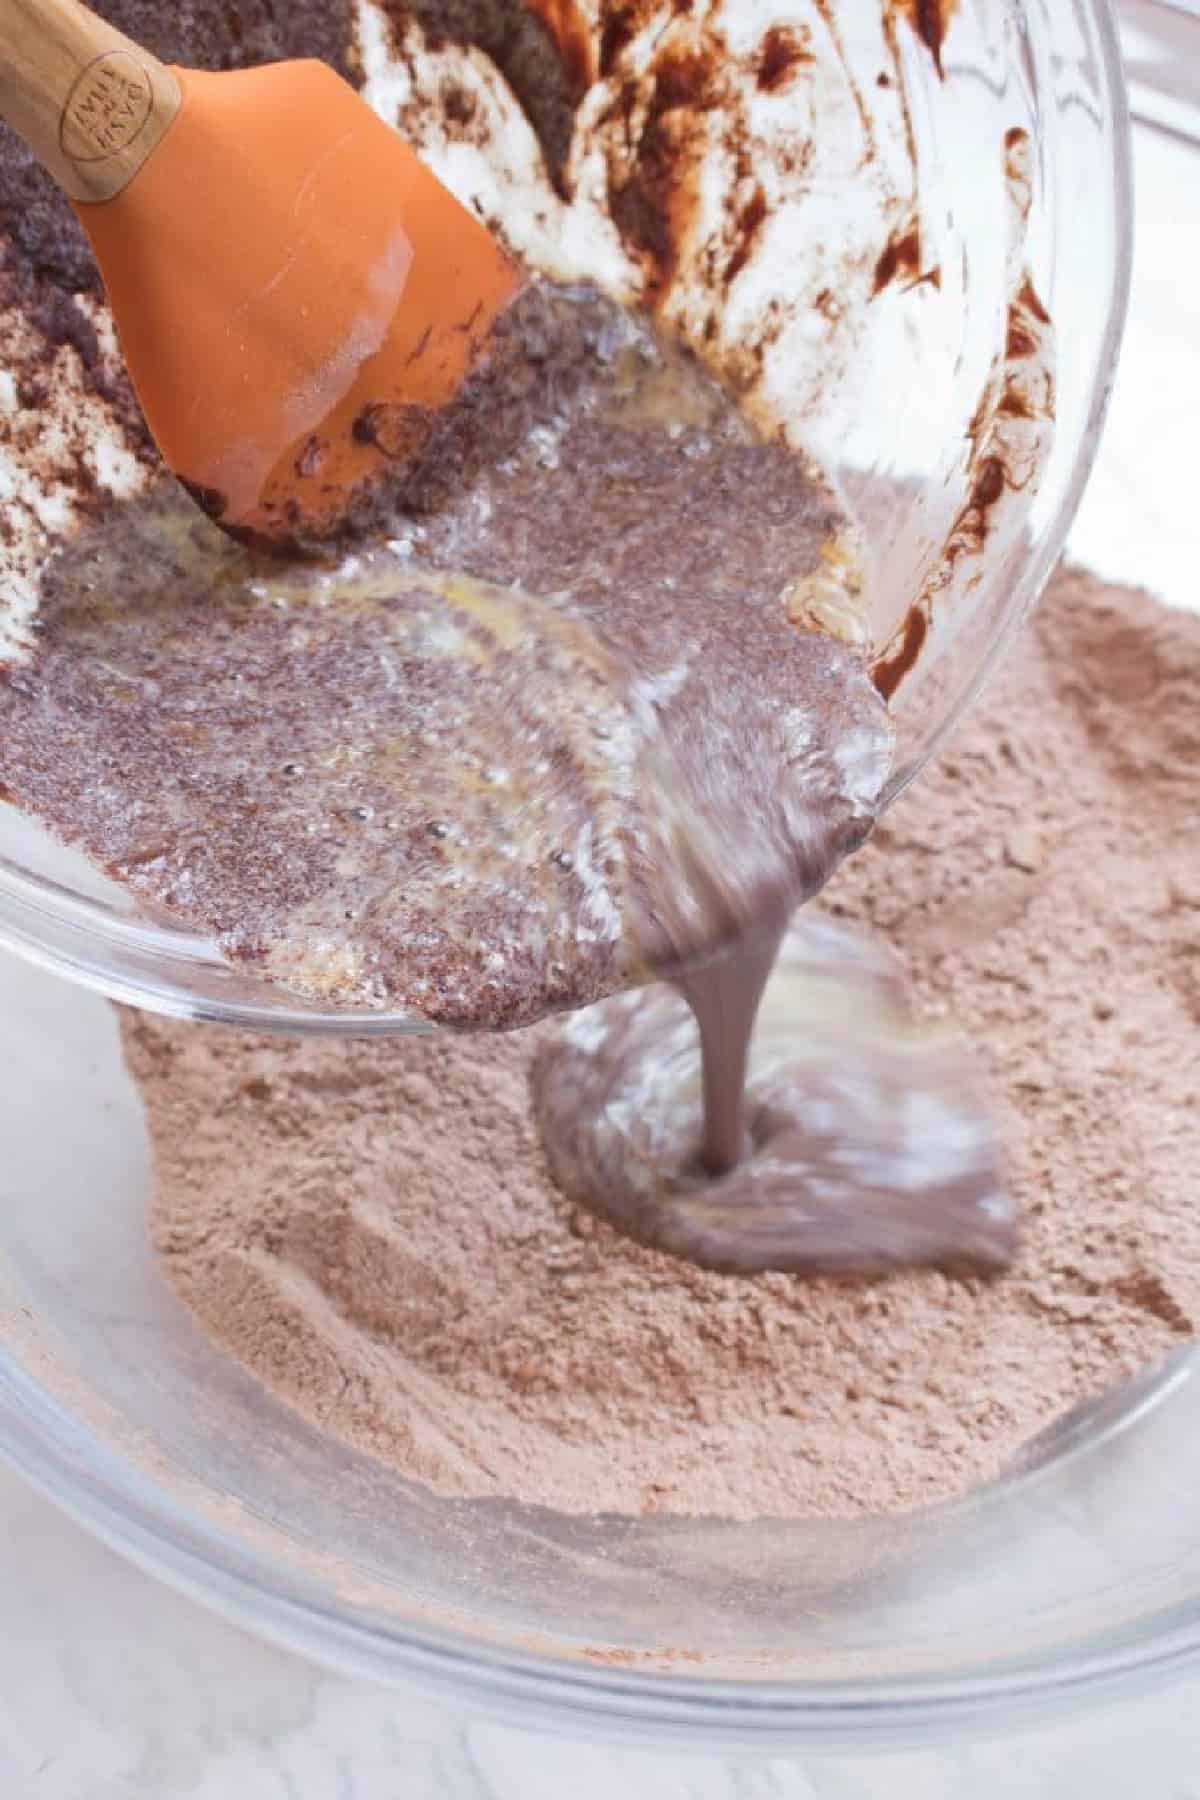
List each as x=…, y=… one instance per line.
x=370, y=1228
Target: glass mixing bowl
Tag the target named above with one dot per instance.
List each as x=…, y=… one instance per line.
x=949, y=194
x=965, y=184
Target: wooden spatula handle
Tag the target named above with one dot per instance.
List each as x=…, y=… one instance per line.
x=90, y=104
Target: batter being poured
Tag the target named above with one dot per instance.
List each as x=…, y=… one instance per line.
x=564, y=730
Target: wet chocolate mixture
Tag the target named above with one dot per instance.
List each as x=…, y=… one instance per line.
x=554, y=732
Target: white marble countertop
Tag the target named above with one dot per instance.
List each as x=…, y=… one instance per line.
x=113, y=1688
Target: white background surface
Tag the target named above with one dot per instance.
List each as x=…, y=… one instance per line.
x=111, y=1688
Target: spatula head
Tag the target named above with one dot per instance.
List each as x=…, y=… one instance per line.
x=296, y=296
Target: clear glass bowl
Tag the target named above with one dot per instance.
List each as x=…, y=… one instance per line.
x=886, y=358
x=1080, y=1566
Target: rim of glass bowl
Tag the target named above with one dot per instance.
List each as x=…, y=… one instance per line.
x=112, y=1498
x=115, y=1502
x=165, y=970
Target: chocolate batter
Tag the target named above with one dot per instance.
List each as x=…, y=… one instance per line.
x=557, y=733
x=855, y=1141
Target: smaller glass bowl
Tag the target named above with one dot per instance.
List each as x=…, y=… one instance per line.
x=902, y=389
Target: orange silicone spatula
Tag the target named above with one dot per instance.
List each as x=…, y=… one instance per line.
x=295, y=293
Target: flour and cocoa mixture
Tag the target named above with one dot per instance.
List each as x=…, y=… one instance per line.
x=371, y=1229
